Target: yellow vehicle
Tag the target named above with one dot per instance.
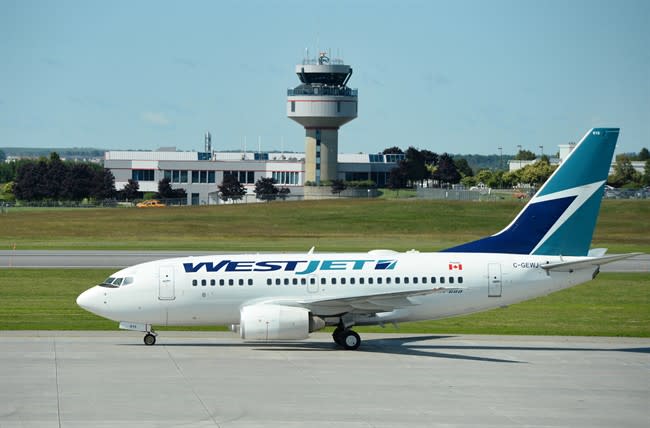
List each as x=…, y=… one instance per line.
x=152, y=203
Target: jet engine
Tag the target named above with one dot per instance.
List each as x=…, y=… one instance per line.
x=272, y=322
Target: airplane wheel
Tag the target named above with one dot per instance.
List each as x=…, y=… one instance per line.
x=149, y=339
x=350, y=340
x=337, y=336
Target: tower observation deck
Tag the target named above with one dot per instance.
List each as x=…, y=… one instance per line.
x=322, y=103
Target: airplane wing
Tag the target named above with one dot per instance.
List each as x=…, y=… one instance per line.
x=365, y=303
x=586, y=264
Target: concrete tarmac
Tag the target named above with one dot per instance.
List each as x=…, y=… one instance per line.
x=208, y=379
x=121, y=259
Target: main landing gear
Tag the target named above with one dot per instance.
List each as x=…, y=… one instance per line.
x=346, y=338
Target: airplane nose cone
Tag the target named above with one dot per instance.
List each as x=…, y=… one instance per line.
x=92, y=300
x=83, y=300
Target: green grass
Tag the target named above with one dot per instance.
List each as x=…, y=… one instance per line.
x=612, y=305
x=330, y=225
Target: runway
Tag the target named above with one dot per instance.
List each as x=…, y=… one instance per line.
x=107, y=379
x=122, y=259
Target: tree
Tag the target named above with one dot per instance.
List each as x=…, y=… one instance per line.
x=624, y=173
x=3, y=156
x=165, y=190
x=57, y=172
x=430, y=158
x=415, y=165
x=283, y=193
x=525, y=155
x=79, y=182
x=31, y=181
x=463, y=167
x=446, y=171
x=104, y=184
x=644, y=155
x=131, y=190
x=535, y=174
x=398, y=177
x=393, y=151
x=231, y=188
x=265, y=189
x=646, y=173
x=338, y=186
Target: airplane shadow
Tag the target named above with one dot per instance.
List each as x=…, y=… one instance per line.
x=409, y=345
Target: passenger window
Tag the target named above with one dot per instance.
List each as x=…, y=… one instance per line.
x=222, y=282
x=278, y=281
x=213, y=282
x=396, y=280
x=241, y=282
x=343, y=281
x=442, y=279
x=323, y=281
x=451, y=279
x=303, y=281
x=361, y=281
x=194, y=282
x=269, y=281
x=286, y=281
x=231, y=282
x=204, y=282
x=424, y=280
x=388, y=280
x=460, y=279
x=415, y=280
x=295, y=281
x=333, y=281
x=312, y=281
x=369, y=280
x=351, y=281
x=250, y=282
x=433, y=280
x=379, y=280
x=406, y=280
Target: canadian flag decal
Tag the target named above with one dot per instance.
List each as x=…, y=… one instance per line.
x=455, y=266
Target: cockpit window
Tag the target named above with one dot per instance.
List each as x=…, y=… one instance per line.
x=112, y=282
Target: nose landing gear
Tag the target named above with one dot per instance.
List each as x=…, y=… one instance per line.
x=150, y=338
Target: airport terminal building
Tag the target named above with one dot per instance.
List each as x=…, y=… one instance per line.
x=199, y=173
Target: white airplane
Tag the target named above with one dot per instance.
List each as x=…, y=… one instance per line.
x=287, y=296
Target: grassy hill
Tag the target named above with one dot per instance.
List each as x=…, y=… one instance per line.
x=330, y=225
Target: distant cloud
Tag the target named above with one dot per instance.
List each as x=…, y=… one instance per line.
x=155, y=118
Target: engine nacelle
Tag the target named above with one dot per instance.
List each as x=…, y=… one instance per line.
x=272, y=322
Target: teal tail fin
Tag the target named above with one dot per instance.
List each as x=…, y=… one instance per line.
x=561, y=217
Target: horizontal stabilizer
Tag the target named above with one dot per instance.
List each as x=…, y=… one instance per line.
x=586, y=263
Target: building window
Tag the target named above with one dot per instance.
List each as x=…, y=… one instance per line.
x=293, y=106
x=211, y=177
x=142, y=175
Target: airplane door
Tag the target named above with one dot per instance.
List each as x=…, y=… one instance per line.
x=166, y=283
x=494, y=280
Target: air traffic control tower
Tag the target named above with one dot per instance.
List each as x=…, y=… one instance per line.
x=322, y=103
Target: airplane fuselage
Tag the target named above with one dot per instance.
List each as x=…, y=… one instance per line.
x=210, y=290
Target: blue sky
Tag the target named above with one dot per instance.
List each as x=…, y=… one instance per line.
x=448, y=76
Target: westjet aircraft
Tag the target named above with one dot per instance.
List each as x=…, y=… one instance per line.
x=287, y=296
